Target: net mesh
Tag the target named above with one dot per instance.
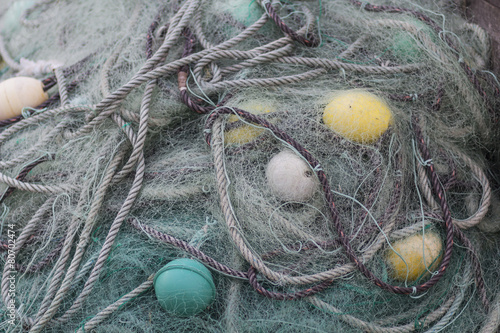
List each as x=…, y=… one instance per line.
x=119, y=175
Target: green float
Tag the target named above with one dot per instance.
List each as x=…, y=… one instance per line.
x=184, y=287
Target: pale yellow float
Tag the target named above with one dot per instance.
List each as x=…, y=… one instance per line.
x=247, y=133
x=20, y=92
x=415, y=256
x=358, y=116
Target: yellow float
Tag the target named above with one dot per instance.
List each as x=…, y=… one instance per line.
x=414, y=257
x=247, y=133
x=358, y=116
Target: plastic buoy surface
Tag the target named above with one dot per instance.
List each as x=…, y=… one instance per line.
x=290, y=177
x=184, y=287
x=246, y=133
x=420, y=254
x=20, y=92
x=358, y=116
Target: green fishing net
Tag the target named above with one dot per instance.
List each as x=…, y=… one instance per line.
x=156, y=143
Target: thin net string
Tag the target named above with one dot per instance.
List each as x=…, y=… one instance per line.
x=218, y=65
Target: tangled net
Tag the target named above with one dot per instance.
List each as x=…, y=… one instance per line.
x=140, y=128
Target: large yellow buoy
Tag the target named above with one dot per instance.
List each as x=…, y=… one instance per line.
x=415, y=256
x=20, y=92
x=247, y=133
x=358, y=116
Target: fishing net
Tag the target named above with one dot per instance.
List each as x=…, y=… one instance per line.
x=157, y=143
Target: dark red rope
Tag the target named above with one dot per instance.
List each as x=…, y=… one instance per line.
x=332, y=208
x=251, y=275
x=186, y=247
x=252, y=279
x=436, y=185
x=310, y=41
x=182, y=76
x=149, y=36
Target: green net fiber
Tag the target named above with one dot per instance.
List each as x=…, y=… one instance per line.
x=332, y=163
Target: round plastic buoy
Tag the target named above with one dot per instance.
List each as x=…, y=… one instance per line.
x=419, y=255
x=184, y=287
x=290, y=177
x=20, y=92
x=246, y=133
x=358, y=115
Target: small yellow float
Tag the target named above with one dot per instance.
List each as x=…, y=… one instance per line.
x=414, y=257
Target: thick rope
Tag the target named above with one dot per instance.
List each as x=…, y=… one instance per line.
x=275, y=52
x=8, y=270
x=108, y=311
x=485, y=201
x=493, y=321
x=80, y=248
x=369, y=327
x=217, y=146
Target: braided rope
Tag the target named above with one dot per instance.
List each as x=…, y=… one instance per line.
x=124, y=210
x=24, y=172
x=113, y=232
x=468, y=71
x=369, y=327
x=269, y=82
x=274, y=52
x=22, y=158
x=310, y=41
x=80, y=249
x=483, y=39
x=217, y=147
x=171, y=67
x=108, y=311
x=188, y=248
x=52, y=189
x=450, y=306
x=8, y=269
x=61, y=263
x=32, y=268
x=271, y=49
x=40, y=117
x=493, y=320
x=63, y=86
x=485, y=201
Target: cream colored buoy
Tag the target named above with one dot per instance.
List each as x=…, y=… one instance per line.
x=290, y=178
x=358, y=115
x=415, y=256
x=20, y=92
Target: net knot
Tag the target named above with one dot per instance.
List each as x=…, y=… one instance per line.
x=427, y=163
